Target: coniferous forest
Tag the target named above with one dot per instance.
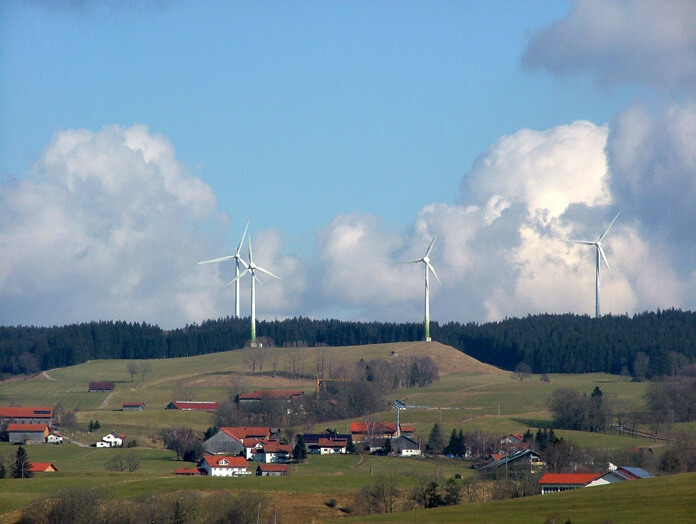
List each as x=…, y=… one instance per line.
x=644, y=345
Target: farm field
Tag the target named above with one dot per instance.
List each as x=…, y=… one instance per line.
x=470, y=395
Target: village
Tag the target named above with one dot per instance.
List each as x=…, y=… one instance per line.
x=241, y=451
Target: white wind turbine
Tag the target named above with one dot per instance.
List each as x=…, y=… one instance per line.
x=237, y=257
x=600, y=256
x=428, y=268
x=253, y=268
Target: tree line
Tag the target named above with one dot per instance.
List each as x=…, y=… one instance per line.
x=644, y=345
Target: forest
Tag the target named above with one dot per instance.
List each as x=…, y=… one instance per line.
x=644, y=345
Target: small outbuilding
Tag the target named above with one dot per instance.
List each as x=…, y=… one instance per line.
x=272, y=470
x=133, y=406
x=96, y=386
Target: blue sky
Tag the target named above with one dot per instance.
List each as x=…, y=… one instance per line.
x=341, y=129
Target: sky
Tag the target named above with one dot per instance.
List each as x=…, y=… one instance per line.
x=137, y=138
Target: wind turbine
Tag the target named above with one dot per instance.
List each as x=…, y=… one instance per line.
x=237, y=257
x=428, y=268
x=253, y=268
x=600, y=256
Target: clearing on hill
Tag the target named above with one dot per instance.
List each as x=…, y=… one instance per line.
x=447, y=359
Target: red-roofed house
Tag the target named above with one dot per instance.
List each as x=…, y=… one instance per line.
x=39, y=467
x=32, y=433
x=224, y=466
x=27, y=415
x=272, y=470
x=328, y=446
x=190, y=405
x=133, y=406
x=358, y=431
x=114, y=440
x=272, y=451
x=554, y=482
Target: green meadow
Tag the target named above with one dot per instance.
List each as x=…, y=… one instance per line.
x=468, y=396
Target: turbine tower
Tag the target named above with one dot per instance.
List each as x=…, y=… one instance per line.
x=253, y=268
x=428, y=268
x=600, y=256
x=237, y=257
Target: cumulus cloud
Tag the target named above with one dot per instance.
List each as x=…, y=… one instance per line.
x=619, y=41
x=106, y=227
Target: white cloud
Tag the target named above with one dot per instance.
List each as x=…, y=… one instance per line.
x=618, y=41
x=105, y=228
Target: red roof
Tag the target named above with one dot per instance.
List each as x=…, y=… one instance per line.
x=189, y=471
x=275, y=447
x=358, y=427
x=241, y=433
x=26, y=428
x=133, y=404
x=26, y=412
x=202, y=406
x=569, y=478
x=283, y=468
x=332, y=443
x=228, y=462
x=37, y=467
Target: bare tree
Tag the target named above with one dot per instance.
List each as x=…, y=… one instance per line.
x=522, y=371
x=132, y=369
x=145, y=369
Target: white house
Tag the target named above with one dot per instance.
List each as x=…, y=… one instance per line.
x=272, y=452
x=54, y=438
x=114, y=439
x=328, y=446
x=224, y=466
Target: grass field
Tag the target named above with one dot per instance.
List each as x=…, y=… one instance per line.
x=469, y=395
x=664, y=500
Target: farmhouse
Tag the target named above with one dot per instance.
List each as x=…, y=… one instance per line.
x=328, y=445
x=133, y=406
x=271, y=452
x=27, y=415
x=620, y=475
x=224, y=466
x=29, y=433
x=257, y=396
x=190, y=405
x=96, y=386
x=40, y=467
x=554, y=482
x=272, y=470
x=114, y=440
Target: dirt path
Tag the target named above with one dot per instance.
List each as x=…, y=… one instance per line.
x=106, y=400
x=46, y=376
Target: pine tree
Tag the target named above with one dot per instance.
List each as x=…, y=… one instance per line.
x=435, y=441
x=300, y=449
x=20, y=468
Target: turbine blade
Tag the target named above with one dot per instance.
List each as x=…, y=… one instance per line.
x=239, y=248
x=584, y=242
x=265, y=271
x=240, y=259
x=609, y=227
x=606, y=262
x=430, y=247
x=410, y=261
x=432, y=269
x=251, y=259
x=237, y=278
x=221, y=259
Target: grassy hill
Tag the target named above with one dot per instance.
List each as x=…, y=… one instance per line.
x=469, y=395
